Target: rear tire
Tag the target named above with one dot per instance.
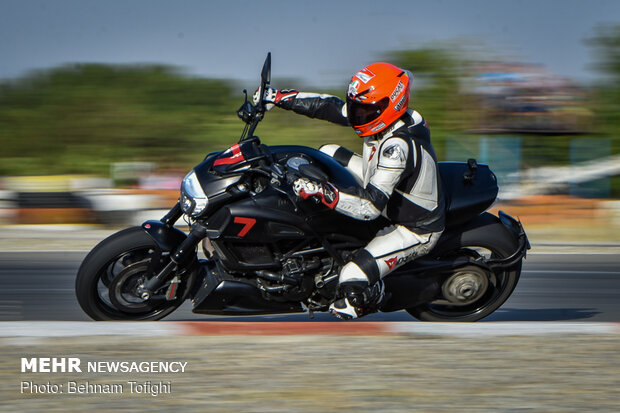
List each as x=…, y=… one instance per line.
x=500, y=286
x=105, y=279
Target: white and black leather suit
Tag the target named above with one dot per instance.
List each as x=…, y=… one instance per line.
x=398, y=177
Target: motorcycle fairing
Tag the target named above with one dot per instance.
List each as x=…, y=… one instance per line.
x=222, y=295
x=249, y=233
x=167, y=237
x=237, y=157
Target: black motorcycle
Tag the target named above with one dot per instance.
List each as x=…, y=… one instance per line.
x=268, y=251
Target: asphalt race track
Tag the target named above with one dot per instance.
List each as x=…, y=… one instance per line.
x=553, y=287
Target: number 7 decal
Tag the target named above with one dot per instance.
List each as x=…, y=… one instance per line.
x=248, y=223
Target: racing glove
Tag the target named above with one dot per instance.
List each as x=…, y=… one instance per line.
x=273, y=96
x=326, y=192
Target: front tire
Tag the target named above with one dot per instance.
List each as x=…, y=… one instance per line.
x=106, y=281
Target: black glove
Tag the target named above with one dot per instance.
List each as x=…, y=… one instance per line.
x=273, y=96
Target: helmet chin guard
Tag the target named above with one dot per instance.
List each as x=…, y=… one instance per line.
x=377, y=96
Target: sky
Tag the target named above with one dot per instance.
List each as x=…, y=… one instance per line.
x=318, y=42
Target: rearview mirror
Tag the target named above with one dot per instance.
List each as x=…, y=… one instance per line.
x=265, y=75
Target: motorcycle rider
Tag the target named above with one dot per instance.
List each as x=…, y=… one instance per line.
x=397, y=173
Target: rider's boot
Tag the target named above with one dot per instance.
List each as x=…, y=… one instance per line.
x=357, y=298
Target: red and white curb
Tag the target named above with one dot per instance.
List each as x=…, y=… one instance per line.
x=263, y=328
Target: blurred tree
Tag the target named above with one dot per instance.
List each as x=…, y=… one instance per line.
x=436, y=92
x=606, y=101
x=606, y=43
x=80, y=118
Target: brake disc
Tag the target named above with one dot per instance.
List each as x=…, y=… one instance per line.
x=465, y=286
x=123, y=289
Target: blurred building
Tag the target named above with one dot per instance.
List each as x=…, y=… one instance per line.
x=526, y=98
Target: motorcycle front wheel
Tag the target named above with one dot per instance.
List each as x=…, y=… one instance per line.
x=106, y=283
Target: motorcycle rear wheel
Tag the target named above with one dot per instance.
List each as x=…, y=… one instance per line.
x=109, y=274
x=499, y=288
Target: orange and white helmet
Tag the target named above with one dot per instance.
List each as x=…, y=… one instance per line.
x=377, y=96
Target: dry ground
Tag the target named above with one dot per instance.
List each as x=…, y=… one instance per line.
x=325, y=374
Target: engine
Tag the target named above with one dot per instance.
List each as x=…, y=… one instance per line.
x=298, y=279
x=306, y=273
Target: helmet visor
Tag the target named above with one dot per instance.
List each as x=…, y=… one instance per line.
x=360, y=113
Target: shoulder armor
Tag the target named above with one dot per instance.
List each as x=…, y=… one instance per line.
x=417, y=118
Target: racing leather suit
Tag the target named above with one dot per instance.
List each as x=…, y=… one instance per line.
x=398, y=177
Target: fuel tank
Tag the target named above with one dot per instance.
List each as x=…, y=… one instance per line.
x=338, y=174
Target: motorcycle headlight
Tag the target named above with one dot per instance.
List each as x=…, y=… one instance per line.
x=193, y=199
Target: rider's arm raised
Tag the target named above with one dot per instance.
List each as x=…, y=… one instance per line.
x=314, y=105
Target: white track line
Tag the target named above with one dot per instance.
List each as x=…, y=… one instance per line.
x=87, y=328
x=159, y=329
x=494, y=329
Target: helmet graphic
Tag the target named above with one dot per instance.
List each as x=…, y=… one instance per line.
x=377, y=96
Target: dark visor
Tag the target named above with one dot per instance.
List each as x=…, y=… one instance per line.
x=360, y=113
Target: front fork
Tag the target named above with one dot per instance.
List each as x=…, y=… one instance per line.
x=168, y=238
